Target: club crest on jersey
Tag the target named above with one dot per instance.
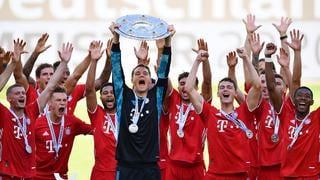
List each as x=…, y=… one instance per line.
x=68, y=131
x=69, y=98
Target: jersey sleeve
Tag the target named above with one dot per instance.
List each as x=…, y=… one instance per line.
x=81, y=127
x=31, y=95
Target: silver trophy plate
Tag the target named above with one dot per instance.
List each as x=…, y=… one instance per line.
x=142, y=27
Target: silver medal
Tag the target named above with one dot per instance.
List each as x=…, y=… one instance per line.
x=180, y=133
x=308, y=121
x=249, y=134
x=274, y=138
x=133, y=128
x=28, y=149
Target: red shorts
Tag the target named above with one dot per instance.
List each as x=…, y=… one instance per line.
x=185, y=171
x=270, y=172
x=237, y=176
x=102, y=175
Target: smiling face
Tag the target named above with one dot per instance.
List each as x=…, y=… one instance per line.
x=107, y=98
x=303, y=99
x=141, y=79
x=226, y=92
x=16, y=96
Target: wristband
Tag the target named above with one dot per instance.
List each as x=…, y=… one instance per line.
x=268, y=59
x=283, y=37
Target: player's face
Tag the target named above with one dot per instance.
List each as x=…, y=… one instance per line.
x=141, y=79
x=45, y=76
x=280, y=85
x=65, y=76
x=17, y=98
x=303, y=100
x=261, y=66
x=58, y=103
x=226, y=92
x=264, y=89
x=107, y=97
x=181, y=87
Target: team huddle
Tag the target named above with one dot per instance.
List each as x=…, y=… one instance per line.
x=265, y=131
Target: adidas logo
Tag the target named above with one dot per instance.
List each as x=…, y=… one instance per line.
x=45, y=133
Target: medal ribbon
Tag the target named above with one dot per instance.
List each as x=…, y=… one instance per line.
x=113, y=126
x=22, y=126
x=236, y=121
x=275, y=120
x=53, y=135
x=297, y=131
x=183, y=117
x=136, y=115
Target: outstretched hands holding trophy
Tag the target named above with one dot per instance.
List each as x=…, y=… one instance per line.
x=141, y=27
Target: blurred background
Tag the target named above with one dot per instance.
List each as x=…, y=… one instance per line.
x=219, y=22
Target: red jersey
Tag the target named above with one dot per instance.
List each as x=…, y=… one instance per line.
x=269, y=151
x=228, y=145
x=46, y=163
x=104, y=140
x=303, y=158
x=164, y=126
x=15, y=161
x=189, y=148
x=77, y=94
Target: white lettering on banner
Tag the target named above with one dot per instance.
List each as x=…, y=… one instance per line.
x=136, y=7
x=221, y=124
x=171, y=10
x=17, y=132
x=49, y=146
x=27, y=9
x=291, y=131
x=76, y=9
x=103, y=10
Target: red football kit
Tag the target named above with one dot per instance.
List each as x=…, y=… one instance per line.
x=16, y=158
x=301, y=144
x=48, y=161
x=228, y=144
x=104, y=134
x=187, y=133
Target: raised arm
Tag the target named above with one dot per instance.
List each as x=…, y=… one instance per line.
x=73, y=79
x=2, y=54
x=256, y=47
x=106, y=72
x=65, y=55
x=95, y=55
x=251, y=27
x=40, y=48
x=232, y=61
x=296, y=39
x=255, y=90
x=284, y=62
x=142, y=53
x=18, y=49
x=282, y=28
x=206, y=88
x=195, y=97
x=5, y=75
x=274, y=93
